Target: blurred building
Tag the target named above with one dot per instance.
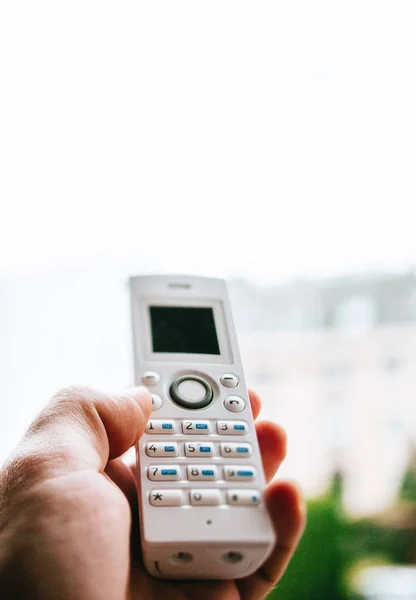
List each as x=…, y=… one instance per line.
x=335, y=362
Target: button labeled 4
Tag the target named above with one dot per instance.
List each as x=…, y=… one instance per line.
x=161, y=449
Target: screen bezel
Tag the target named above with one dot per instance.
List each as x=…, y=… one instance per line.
x=225, y=356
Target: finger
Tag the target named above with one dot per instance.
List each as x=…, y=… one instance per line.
x=123, y=476
x=272, y=443
x=80, y=428
x=255, y=402
x=288, y=514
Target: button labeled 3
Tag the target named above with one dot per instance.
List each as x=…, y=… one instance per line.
x=232, y=428
x=166, y=497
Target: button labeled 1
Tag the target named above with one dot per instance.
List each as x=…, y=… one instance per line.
x=161, y=449
x=234, y=403
x=166, y=497
x=232, y=428
x=160, y=426
x=196, y=427
x=205, y=497
x=162, y=473
x=235, y=450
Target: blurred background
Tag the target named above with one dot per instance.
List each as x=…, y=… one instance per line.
x=271, y=143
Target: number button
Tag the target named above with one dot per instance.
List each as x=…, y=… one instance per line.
x=232, y=428
x=196, y=450
x=201, y=473
x=161, y=473
x=243, y=497
x=158, y=426
x=161, y=449
x=235, y=450
x=232, y=473
x=205, y=497
x=196, y=427
x=234, y=403
x=166, y=497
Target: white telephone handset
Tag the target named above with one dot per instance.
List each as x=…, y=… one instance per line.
x=199, y=468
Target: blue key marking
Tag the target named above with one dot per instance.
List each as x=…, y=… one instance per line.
x=169, y=448
x=167, y=426
x=204, y=449
x=239, y=427
x=201, y=426
x=242, y=449
x=169, y=471
x=254, y=498
x=208, y=472
x=245, y=473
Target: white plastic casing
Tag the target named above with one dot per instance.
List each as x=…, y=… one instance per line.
x=206, y=542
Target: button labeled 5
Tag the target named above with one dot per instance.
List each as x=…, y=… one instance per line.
x=194, y=450
x=160, y=426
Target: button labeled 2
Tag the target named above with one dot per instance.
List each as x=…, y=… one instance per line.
x=161, y=449
x=232, y=428
x=235, y=450
x=201, y=473
x=195, y=450
x=156, y=426
x=163, y=473
x=196, y=427
x=166, y=497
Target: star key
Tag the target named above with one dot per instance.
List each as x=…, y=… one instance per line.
x=157, y=496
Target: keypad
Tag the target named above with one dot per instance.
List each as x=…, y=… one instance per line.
x=229, y=463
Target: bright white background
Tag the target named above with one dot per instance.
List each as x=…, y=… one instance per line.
x=262, y=139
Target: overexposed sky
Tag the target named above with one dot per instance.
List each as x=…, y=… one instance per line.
x=266, y=139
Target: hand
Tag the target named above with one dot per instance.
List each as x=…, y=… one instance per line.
x=68, y=508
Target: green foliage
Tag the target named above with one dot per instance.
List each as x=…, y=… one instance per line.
x=315, y=572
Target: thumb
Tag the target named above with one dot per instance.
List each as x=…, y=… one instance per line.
x=82, y=428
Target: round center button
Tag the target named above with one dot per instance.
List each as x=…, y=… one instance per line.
x=191, y=391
